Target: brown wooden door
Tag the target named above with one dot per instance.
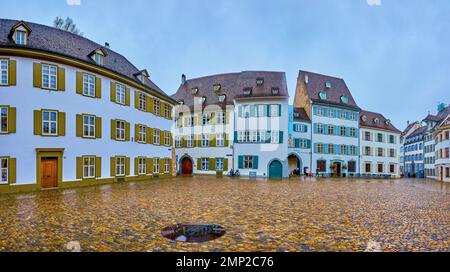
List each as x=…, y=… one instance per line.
x=186, y=166
x=49, y=172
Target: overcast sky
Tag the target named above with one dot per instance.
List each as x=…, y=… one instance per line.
x=393, y=54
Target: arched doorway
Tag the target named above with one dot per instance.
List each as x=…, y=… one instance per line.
x=295, y=164
x=337, y=168
x=186, y=166
x=275, y=170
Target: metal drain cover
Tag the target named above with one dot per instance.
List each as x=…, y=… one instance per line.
x=193, y=233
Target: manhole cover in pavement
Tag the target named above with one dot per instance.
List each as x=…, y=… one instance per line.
x=193, y=233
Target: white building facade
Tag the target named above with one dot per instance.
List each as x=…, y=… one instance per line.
x=299, y=142
x=442, y=136
x=74, y=118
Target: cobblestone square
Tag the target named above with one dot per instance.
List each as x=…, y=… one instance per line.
x=290, y=215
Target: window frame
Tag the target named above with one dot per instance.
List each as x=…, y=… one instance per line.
x=220, y=140
x=120, y=94
x=156, y=169
x=142, y=166
x=90, y=126
x=205, y=140
x=49, y=121
x=220, y=164
x=156, y=107
x=120, y=165
x=204, y=164
x=120, y=130
x=6, y=71
x=4, y=170
x=166, y=165
x=3, y=118
x=23, y=40
x=88, y=85
x=90, y=167
x=142, y=134
x=49, y=76
x=190, y=140
x=156, y=137
x=142, y=101
x=248, y=162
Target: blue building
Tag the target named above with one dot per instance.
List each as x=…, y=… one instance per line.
x=414, y=153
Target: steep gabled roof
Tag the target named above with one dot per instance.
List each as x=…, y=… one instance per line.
x=418, y=131
x=232, y=85
x=408, y=128
x=49, y=39
x=316, y=83
x=369, y=118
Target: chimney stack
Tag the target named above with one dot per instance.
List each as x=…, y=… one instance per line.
x=107, y=45
x=183, y=79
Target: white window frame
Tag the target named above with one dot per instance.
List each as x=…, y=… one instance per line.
x=142, y=101
x=166, y=110
x=166, y=165
x=89, y=168
x=120, y=130
x=166, y=138
x=20, y=37
x=206, y=119
x=4, y=72
x=142, y=134
x=205, y=140
x=120, y=166
x=190, y=140
x=4, y=120
x=352, y=132
x=205, y=164
x=142, y=166
x=120, y=94
x=50, y=122
x=4, y=171
x=275, y=111
x=178, y=141
x=245, y=111
x=219, y=164
x=49, y=75
x=89, y=85
x=99, y=58
x=253, y=136
x=248, y=162
x=156, y=137
x=156, y=107
x=220, y=140
x=88, y=127
x=320, y=128
x=156, y=166
x=221, y=118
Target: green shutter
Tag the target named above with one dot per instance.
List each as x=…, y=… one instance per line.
x=136, y=99
x=12, y=170
x=12, y=116
x=255, y=162
x=98, y=127
x=37, y=122
x=240, y=162
x=112, y=92
x=127, y=166
x=61, y=124
x=225, y=164
x=79, y=83
x=112, y=167
x=12, y=73
x=79, y=168
x=61, y=79
x=136, y=166
x=79, y=125
x=199, y=164
x=136, y=132
x=149, y=104
x=113, y=129
x=98, y=87
x=127, y=96
x=281, y=137
x=212, y=164
x=98, y=167
x=149, y=135
x=149, y=162
x=37, y=75
x=127, y=131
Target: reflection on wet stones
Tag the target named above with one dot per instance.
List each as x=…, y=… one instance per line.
x=193, y=233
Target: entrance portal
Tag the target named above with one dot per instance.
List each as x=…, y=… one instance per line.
x=275, y=170
x=186, y=166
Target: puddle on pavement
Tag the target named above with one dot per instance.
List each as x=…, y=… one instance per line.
x=193, y=233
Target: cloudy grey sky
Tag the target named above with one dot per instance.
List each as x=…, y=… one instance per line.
x=393, y=54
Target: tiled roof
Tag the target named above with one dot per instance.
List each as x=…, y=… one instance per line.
x=316, y=83
x=302, y=116
x=368, y=118
x=408, y=128
x=232, y=86
x=50, y=39
x=418, y=131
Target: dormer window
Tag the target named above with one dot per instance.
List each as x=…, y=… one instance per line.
x=19, y=33
x=259, y=81
x=344, y=99
x=20, y=37
x=376, y=120
x=247, y=91
x=203, y=99
x=388, y=122
x=222, y=98
x=275, y=91
x=364, y=118
x=323, y=95
x=181, y=102
x=328, y=85
x=296, y=114
x=217, y=87
x=99, y=59
x=142, y=78
x=142, y=75
x=194, y=90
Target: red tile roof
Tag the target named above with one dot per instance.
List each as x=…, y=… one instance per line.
x=369, y=118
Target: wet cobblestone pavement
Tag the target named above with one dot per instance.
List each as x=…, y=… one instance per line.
x=294, y=215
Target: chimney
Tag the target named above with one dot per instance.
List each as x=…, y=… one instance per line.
x=306, y=79
x=407, y=123
x=107, y=45
x=183, y=79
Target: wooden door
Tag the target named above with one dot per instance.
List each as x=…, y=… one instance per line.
x=49, y=172
x=186, y=166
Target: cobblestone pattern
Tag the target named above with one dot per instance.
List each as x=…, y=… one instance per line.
x=293, y=215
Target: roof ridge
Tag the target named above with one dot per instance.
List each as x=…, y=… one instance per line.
x=314, y=73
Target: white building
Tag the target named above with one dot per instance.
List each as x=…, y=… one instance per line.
x=380, y=145
x=299, y=141
x=76, y=115
x=442, y=136
x=334, y=116
x=255, y=127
